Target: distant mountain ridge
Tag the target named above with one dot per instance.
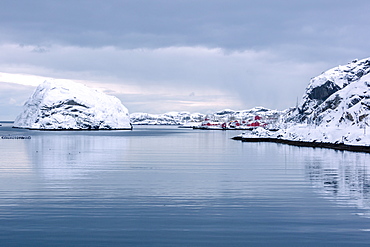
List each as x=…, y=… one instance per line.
x=180, y=118
x=169, y=118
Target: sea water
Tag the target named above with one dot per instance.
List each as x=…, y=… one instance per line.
x=166, y=186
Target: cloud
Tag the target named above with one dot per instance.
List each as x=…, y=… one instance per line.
x=12, y=99
x=21, y=79
x=234, y=24
x=247, y=77
x=164, y=55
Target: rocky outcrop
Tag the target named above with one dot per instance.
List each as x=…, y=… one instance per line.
x=72, y=106
x=337, y=96
x=334, y=112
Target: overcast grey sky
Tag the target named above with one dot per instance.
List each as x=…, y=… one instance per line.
x=164, y=55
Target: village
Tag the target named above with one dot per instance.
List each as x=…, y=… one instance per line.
x=230, y=122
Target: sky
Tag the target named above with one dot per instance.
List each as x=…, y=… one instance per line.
x=178, y=55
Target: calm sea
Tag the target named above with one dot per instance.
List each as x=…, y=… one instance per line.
x=165, y=186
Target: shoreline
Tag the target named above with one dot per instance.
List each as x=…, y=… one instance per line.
x=335, y=146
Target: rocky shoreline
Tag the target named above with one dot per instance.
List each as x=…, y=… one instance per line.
x=335, y=146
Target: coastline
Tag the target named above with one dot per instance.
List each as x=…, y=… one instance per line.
x=314, y=144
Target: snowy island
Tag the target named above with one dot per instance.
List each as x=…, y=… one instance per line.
x=334, y=112
x=222, y=120
x=72, y=106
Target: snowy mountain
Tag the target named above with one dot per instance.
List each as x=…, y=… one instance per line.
x=191, y=119
x=335, y=108
x=69, y=105
x=169, y=118
x=337, y=97
x=246, y=114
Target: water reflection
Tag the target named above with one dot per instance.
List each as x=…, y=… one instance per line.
x=179, y=188
x=341, y=176
x=72, y=156
x=16, y=172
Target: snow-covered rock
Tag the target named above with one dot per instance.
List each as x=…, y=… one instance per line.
x=337, y=97
x=69, y=105
x=335, y=108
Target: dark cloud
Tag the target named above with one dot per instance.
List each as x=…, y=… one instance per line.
x=232, y=24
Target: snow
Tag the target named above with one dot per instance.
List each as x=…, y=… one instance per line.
x=310, y=133
x=186, y=119
x=342, y=74
x=334, y=109
x=70, y=105
x=169, y=118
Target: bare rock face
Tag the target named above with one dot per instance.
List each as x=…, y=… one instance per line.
x=321, y=93
x=72, y=106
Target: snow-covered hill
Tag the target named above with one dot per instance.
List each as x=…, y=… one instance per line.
x=335, y=108
x=69, y=105
x=186, y=118
x=245, y=114
x=169, y=118
x=337, y=97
